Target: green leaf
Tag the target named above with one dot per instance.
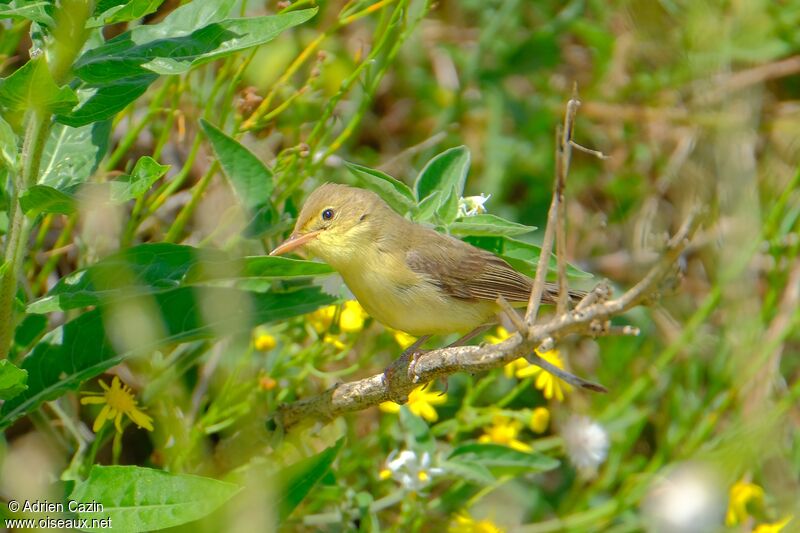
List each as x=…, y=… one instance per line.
x=174, y=46
x=159, y=267
x=32, y=86
x=446, y=170
x=469, y=471
x=103, y=101
x=394, y=192
x=448, y=209
x=250, y=178
x=8, y=145
x=144, y=499
x=496, y=455
x=71, y=155
x=12, y=380
x=29, y=10
x=113, y=11
x=43, y=199
x=82, y=349
x=298, y=479
x=145, y=173
x=427, y=207
x=488, y=225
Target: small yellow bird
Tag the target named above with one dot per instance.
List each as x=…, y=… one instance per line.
x=406, y=276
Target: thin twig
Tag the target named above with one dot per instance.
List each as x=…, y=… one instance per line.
x=562, y=170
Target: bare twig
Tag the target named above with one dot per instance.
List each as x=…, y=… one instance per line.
x=563, y=159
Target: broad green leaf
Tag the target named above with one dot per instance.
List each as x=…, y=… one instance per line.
x=112, y=11
x=29, y=330
x=144, y=174
x=71, y=155
x=446, y=170
x=8, y=145
x=37, y=11
x=81, y=349
x=298, y=479
x=496, y=455
x=469, y=471
x=103, y=101
x=394, y=192
x=251, y=179
x=144, y=499
x=12, y=380
x=427, y=207
x=158, y=267
x=32, y=86
x=164, y=49
x=448, y=209
x=44, y=199
x=488, y=225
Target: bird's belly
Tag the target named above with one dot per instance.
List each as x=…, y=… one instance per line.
x=419, y=309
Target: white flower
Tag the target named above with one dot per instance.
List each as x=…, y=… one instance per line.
x=410, y=470
x=472, y=205
x=586, y=442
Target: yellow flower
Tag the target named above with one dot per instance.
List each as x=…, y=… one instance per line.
x=517, y=364
x=504, y=431
x=335, y=341
x=464, y=523
x=420, y=403
x=547, y=382
x=403, y=339
x=352, y=317
x=321, y=319
x=774, y=527
x=540, y=419
x=741, y=494
x=264, y=342
x=502, y=334
x=118, y=401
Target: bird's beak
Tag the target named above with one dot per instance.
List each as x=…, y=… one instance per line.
x=295, y=240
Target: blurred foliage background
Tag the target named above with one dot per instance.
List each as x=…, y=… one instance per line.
x=693, y=102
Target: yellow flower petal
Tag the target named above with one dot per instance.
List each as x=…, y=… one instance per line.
x=775, y=527
x=389, y=407
x=540, y=419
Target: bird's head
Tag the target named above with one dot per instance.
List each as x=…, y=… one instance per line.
x=336, y=223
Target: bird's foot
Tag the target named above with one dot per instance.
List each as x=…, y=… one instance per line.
x=412, y=365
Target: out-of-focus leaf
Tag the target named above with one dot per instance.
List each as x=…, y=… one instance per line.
x=8, y=145
x=32, y=86
x=12, y=380
x=251, y=179
x=37, y=11
x=173, y=47
x=44, y=199
x=469, y=471
x=71, y=155
x=446, y=170
x=394, y=192
x=145, y=173
x=81, y=349
x=112, y=11
x=496, y=455
x=159, y=267
x=487, y=225
x=298, y=479
x=144, y=499
x=103, y=101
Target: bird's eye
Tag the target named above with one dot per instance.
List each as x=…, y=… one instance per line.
x=327, y=214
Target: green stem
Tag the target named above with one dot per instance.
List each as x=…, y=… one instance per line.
x=19, y=226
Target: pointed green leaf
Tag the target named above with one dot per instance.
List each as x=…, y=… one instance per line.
x=8, y=145
x=488, y=225
x=427, y=207
x=298, y=479
x=32, y=86
x=113, y=11
x=448, y=209
x=145, y=173
x=37, y=11
x=496, y=455
x=12, y=380
x=103, y=101
x=394, y=192
x=446, y=170
x=250, y=178
x=144, y=499
x=71, y=155
x=43, y=199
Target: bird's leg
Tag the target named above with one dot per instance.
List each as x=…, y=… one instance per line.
x=414, y=351
x=461, y=341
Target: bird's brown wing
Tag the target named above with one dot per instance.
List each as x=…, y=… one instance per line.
x=465, y=272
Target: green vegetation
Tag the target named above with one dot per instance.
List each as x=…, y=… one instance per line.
x=152, y=153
